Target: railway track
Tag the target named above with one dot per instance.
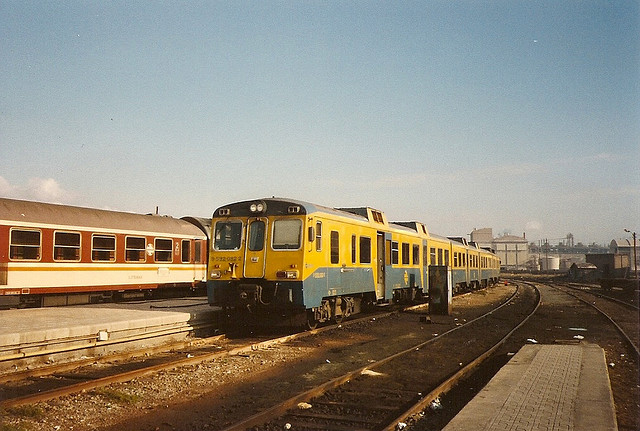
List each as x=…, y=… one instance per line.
x=52, y=382
x=380, y=395
x=623, y=315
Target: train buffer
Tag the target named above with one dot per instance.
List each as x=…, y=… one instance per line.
x=544, y=387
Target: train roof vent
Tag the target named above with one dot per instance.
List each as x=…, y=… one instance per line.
x=459, y=239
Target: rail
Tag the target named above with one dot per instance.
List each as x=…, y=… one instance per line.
x=390, y=415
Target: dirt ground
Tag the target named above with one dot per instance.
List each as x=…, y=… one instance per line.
x=212, y=395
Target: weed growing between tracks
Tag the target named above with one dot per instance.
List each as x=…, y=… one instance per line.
x=117, y=396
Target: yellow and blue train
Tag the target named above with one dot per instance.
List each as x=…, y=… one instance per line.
x=282, y=257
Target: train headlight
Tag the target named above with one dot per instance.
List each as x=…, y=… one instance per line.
x=215, y=273
x=257, y=207
x=287, y=274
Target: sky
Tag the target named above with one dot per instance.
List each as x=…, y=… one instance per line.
x=522, y=116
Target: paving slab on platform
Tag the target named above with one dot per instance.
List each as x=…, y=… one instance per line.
x=544, y=388
x=104, y=328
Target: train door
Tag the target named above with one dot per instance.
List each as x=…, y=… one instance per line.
x=380, y=285
x=425, y=267
x=254, y=258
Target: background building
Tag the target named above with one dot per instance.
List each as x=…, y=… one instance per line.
x=513, y=252
x=483, y=237
x=625, y=246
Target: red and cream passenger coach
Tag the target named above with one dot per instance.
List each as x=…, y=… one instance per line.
x=57, y=254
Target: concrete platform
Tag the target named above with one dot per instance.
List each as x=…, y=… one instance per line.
x=29, y=337
x=544, y=387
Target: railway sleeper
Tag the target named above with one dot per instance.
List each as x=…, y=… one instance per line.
x=308, y=414
x=315, y=426
x=351, y=405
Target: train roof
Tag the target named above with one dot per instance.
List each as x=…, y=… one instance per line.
x=38, y=214
x=286, y=206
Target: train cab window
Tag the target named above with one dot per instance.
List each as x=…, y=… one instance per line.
x=394, y=252
x=135, y=248
x=335, y=247
x=227, y=235
x=446, y=258
x=24, y=244
x=318, y=236
x=256, y=235
x=353, y=249
x=164, y=250
x=416, y=254
x=186, y=251
x=365, y=249
x=287, y=234
x=405, y=253
x=66, y=246
x=103, y=248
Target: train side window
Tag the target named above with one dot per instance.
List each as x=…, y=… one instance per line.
x=24, y=244
x=353, y=249
x=335, y=247
x=186, y=251
x=416, y=254
x=198, y=254
x=66, y=246
x=164, y=250
x=287, y=234
x=135, y=248
x=318, y=236
x=405, y=253
x=365, y=249
x=432, y=256
x=394, y=252
x=103, y=248
x=440, y=258
x=425, y=256
x=455, y=259
x=446, y=258
x=228, y=235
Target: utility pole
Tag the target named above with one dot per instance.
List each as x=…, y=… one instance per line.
x=635, y=256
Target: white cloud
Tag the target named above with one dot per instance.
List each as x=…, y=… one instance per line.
x=39, y=189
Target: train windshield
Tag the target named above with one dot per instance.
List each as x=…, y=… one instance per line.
x=287, y=234
x=228, y=235
x=256, y=235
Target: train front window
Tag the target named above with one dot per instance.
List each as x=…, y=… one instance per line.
x=227, y=235
x=287, y=234
x=256, y=235
x=25, y=244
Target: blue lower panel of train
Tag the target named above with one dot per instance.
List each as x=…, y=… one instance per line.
x=331, y=282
